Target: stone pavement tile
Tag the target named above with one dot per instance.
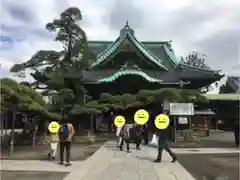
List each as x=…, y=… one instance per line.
x=110, y=163
x=96, y=163
x=180, y=172
x=128, y=175
x=32, y=175
x=206, y=150
x=36, y=165
x=112, y=171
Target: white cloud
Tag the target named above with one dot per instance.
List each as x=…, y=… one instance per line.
x=186, y=22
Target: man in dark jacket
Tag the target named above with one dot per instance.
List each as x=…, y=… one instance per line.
x=145, y=134
x=163, y=144
x=236, y=133
x=137, y=136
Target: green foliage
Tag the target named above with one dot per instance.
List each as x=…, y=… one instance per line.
x=61, y=71
x=20, y=96
x=77, y=109
x=23, y=98
x=145, y=97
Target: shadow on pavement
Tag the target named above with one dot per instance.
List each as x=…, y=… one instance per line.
x=211, y=166
x=32, y=175
x=78, y=152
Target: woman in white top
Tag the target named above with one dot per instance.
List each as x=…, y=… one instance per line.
x=119, y=138
x=52, y=139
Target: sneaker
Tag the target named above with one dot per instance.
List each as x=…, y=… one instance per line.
x=61, y=163
x=121, y=149
x=174, y=160
x=157, y=161
x=53, y=158
x=138, y=148
x=49, y=156
x=68, y=164
x=128, y=151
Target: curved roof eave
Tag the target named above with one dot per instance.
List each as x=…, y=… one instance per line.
x=129, y=72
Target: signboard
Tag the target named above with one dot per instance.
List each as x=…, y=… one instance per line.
x=166, y=105
x=182, y=120
x=184, y=109
x=220, y=121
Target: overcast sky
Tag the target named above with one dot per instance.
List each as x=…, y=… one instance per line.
x=210, y=27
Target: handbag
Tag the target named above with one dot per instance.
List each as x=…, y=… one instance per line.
x=154, y=140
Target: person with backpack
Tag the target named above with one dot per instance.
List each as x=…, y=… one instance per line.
x=66, y=132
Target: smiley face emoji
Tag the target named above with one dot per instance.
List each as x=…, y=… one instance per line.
x=53, y=127
x=141, y=117
x=119, y=121
x=161, y=121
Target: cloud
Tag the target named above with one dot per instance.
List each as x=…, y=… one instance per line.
x=120, y=12
x=18, y=11
x=209, y=27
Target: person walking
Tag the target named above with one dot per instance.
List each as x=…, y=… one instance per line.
x=52, y=140
x=66, y=132
x=138, y=137
x=119, y=138
x=145, y=134
x=125, y=137
x=163, y=144
x=236, y=133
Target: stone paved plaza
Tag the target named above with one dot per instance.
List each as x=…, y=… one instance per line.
x=109, y=163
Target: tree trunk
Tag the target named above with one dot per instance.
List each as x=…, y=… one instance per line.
x=2, y=128
x=12, y=132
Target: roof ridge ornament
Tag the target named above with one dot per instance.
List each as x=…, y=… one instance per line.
x=125, y=30
x=127, y=25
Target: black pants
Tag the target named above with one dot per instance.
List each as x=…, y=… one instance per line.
x=160, y=150
x=122, y=142
x=138, y=140
x=67, y=147
x=145, y=137
x=236, y=135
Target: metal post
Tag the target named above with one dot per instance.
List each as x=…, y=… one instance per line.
x=190, y=127
x=174, y=128
x=12, y=132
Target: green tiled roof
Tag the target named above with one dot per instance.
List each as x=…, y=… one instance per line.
x=116, y=44
x=130, y=72
x=154, y=76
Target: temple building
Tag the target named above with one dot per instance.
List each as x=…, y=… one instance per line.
x=128, y=65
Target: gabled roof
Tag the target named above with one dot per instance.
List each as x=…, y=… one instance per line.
x=189, y=71
x=234, y=83
x=129, y=34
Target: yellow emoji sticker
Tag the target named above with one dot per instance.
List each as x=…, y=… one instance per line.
x=141, y=117
x=119, y=121
x=162, y=121
x=53, y=127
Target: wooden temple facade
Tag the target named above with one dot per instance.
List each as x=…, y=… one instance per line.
x=127, y=65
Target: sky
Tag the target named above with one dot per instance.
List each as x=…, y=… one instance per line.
x=209, y=27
